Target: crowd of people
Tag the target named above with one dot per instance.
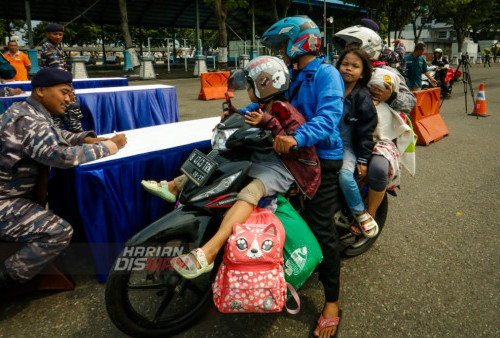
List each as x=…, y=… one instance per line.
x=348, y=120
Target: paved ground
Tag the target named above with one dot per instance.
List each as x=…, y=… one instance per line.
x=434, y=272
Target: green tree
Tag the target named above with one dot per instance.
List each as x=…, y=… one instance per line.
x=464, y=15
x=423, y=11
x=8, y=27
x=221, y=8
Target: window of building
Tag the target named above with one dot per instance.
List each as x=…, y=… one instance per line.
x=443, y=34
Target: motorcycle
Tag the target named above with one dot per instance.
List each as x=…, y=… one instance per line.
x=452, y=75
x=149, y=298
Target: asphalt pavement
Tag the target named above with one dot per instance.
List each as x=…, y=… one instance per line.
x=434, y=272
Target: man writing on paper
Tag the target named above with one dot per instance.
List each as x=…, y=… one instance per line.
x=29, y=144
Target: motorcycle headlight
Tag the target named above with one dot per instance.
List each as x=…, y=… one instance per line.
x=221, y=186
x=220, y=137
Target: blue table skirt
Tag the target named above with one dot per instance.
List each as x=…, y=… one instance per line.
x=108, y=111
x=77, y=83
x=119, y=111
x=107, y=202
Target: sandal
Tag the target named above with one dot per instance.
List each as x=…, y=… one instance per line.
x=328, y=322
x=163, y=191
x=370, y=228
x=186, y=266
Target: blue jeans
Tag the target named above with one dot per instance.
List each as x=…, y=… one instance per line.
x=348, y=183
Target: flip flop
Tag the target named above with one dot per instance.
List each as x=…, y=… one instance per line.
x=369, y=229
x=163, y=191
x=328, y=322
x=186, y=266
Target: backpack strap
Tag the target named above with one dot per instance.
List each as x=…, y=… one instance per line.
x=295, y=296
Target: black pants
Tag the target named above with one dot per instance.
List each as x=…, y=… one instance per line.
x=319, y=216
x=441, y=75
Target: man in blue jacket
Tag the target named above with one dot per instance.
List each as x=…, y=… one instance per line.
x=317, y=91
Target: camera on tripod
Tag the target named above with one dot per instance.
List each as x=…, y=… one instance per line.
x=464, y=59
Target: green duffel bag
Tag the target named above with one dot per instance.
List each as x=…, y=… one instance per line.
x=302, y=252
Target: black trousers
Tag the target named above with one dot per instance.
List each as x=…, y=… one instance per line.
x=319, y=216
x=441, y=75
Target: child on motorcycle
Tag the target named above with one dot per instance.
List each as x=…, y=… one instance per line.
x=267, y=78
x=356, y=127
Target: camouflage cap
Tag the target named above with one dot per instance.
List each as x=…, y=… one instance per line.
x=50, y=76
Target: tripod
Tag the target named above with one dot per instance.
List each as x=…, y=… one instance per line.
x=466, y=79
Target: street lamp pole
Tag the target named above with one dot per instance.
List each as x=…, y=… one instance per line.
x=324, y=22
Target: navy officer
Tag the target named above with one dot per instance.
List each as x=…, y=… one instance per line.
x=29, y=144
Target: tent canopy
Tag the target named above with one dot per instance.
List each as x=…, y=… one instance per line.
x=164, y=13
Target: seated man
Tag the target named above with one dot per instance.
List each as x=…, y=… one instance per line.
x=441, y=61
x=30, y=144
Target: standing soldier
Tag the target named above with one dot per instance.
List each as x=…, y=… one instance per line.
x=29, y=145
x=52, y=54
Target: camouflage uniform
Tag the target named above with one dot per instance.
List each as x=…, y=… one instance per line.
x=52, y=56
x=71, y=119
x=28, y=141
x=4, y=92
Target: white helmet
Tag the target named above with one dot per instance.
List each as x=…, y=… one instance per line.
x=438, y=50
x=366, y=38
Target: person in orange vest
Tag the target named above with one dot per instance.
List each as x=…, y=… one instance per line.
x=19, y=61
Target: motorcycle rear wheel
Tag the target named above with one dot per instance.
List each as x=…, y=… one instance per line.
x=156, y=303
x=358, y=245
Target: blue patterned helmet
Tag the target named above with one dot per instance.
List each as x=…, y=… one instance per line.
x=301, y=32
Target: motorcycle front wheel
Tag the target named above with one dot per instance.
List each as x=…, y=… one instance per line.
x=156, y=301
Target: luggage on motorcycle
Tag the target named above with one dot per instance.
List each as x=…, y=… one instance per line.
x=251, y=276
x=302, y=252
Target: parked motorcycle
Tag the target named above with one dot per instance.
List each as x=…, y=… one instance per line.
x=144, y=296
x=452, y=75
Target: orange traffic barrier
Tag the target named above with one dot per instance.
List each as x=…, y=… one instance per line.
x=214, y=86
x=427, y=123
x=480, y=107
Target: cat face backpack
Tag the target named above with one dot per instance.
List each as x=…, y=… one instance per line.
x=251, y=276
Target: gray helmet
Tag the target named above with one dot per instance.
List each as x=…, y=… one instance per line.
x=364, y=37
x=267, y=75
x=438, y=50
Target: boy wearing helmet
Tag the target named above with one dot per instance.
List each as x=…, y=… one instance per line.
x=441, y=61
x=317, y=91
x=267, y=79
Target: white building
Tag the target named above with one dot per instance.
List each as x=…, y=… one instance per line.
x=438, y=35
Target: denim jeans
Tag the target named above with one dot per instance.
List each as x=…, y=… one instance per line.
x=348, y=183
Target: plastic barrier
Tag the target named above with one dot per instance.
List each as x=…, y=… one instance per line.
x=214, y=86
x=427, y=123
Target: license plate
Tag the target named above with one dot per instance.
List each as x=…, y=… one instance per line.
x=198, y=167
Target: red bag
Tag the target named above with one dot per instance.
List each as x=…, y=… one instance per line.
x=251, y=277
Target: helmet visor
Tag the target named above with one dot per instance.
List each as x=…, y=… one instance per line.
x=238, y=80
x=274, y=42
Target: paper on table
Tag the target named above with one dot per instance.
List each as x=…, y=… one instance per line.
x=171, y=135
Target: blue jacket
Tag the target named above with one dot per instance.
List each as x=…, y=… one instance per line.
x=317, y=92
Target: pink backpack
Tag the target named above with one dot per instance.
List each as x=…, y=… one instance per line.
x=251, y=277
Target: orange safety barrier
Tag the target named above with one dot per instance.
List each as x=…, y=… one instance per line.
x=427, y=123
x=214, y=86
